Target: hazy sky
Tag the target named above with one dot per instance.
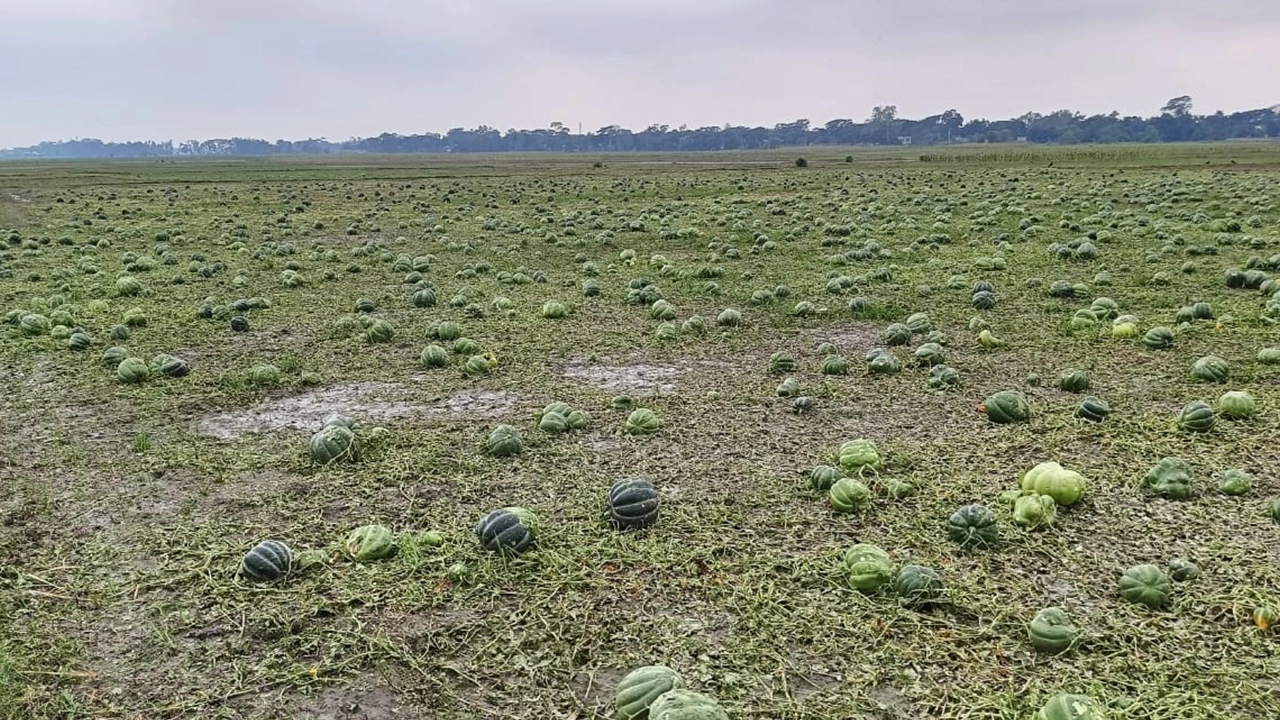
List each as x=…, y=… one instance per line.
x=181, y=69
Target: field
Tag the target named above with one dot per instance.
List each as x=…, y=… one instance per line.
x=127, y=507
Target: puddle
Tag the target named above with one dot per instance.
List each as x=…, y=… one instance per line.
x=366, y=402
x=625, y=377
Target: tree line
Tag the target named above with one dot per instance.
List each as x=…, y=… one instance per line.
x=1175, y=123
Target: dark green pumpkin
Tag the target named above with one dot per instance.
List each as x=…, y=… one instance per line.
x=918, y=586
x=1158, y=338
x=973, y=526
x=1007, y=406
x=239, y=324
x=633, y=503
x=1093, y=409
x=1197, y=417
x=269, y=560
x=509, y=530
x=984, y=300
x=1073, y=380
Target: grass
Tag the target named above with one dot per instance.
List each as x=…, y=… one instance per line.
x=123, y=519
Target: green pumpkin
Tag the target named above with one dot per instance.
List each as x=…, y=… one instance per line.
x=1269, y=356
x=662, y=310
x=1184, y=315
x=1093, y=409
x=1066, y=487
x=1073, y=380
x=942, y=377
x=1236, y=405
x=553, y=422
x=781, y=363
x=79, y=341
x=729, y=318
x=504, y=441
x=114, y=356
x=170, y=366
x=433, y=356
x=679, y=704
x=333, y=419
x=1007, y=406
x=1124, y=331
x=918, y=586
x=930, y=354
x=1051, y=631
x=1275, y=511
x=1145, y=585
x=332, y=443
x=1202, y=311
x=636, y=692
x=984, y=300
x=577, y=419
x=919, y=323
x=856, y=455
x=897, y=334
x=446, y=331
x=642, y=421
x=1197, y=417
x=822, y=477
x=1035, y=511
x=849, y=495
x=509, y=530
x=867, y=567
x=554, y=310
x=1071, y=707
x=424, y=297
x=1171, y=478
x=466, y=346
x=133, y=371
x=370, y=542
x=379, y=331
x=268, y=561
x=835, y=365
x=1235, y=482
x=633, y=503
x=264, y=374
x=881, y=361
x=1158, y=338
x=1211, y=369
x=973, y=526
x=478, y=365
x=988, y=340
x=1183, y=570
x=788, y=388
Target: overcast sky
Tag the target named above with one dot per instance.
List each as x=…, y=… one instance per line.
x=182, y=69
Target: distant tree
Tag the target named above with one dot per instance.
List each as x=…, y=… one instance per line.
x=1177, y=107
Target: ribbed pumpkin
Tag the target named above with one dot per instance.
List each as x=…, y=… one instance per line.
x=1035, y=511
x=835, y=365
x=1235, y=482
x=633, y=503
x=822, y=477
x=883, y=362
x=1073, y=380
x=1197, y=417
x=1236, y=405
x=919, y=323
x=849, y=495
x=332, y=443
x=504, y=441
x=897, y=334
x=679, y=704
x=942, y=377
x=79, y=341
x=788, y=387
x=114, y=356
x=930, y=354
x=1183, y=570
x=1065, y=486
x=636, y=692
x=781, y=362
x=1211, y=369
x=1051, y=631
x=239, y=324
x=1145, y=585
x=370, y=542
x=1202, y=311
x=424, y=297
x=433, y=356
x=855, y=455
x=269, y=560
x=509, y=530
x=1171, y=478
x=918, y=586
x=984, y=300
x=1275, y=511
x=1007, y=406
x=642, y=421
x=1071, y=707
x=867, y=567
x=1093, y=409
x=973, y=526
x=1158, y=338
x=133, y=371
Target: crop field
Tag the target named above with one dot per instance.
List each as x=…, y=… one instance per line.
x=889, y=411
